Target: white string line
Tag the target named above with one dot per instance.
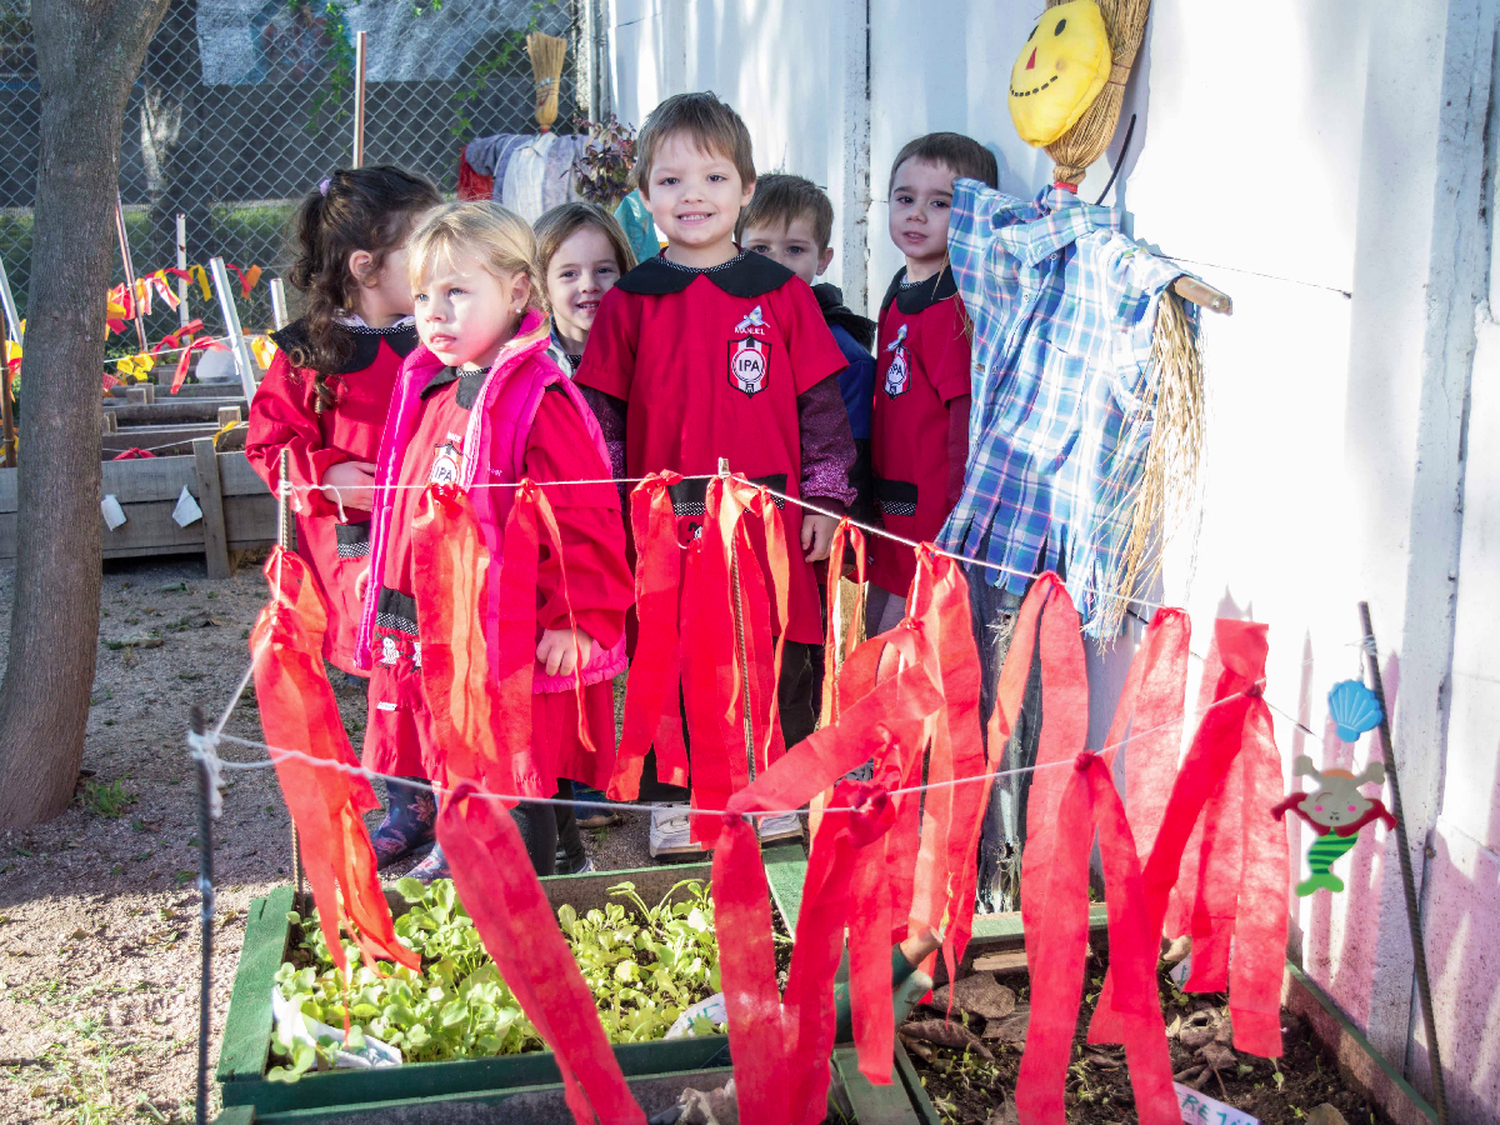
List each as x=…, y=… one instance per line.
x=279, y=753
x=180, y=441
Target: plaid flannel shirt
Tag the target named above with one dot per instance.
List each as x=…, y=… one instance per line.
x=1063, y=306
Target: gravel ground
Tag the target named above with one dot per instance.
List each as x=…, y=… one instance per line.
x=99, y=942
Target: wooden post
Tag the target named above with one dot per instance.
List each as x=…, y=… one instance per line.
x=7, y=409
x=129, y=266
x=183, y=316
x=228, y=414
x=111, y=420
x=359, y=99
x=211, y=500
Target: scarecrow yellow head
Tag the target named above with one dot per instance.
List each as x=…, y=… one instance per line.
x=1063, y=65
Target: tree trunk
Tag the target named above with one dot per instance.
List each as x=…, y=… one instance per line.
x=88, y=54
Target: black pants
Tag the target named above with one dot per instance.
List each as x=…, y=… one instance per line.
x=538, y=825
x=568, y=836
x=795, y=703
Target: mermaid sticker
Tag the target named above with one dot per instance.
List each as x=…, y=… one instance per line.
x=1337, y=810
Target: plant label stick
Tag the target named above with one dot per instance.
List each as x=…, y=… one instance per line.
x=182, y=282
x=244, y=362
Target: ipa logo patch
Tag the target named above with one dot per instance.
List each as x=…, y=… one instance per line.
x=898, y=374
x=749, y=365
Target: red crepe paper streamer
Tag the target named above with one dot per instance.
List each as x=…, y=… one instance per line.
x=298, y=711
x=1232, y=774
x=133, y=453
x=206, y=343
x=724, y=677
x=845, y=536
x=482, y=713
x=498, y=887
x=174, y=339
x=482, y=721
x=1089, y=802
x=889, y=725
x=655, y=669
x=248, y=278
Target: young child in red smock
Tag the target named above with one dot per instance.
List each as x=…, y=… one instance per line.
x=919, y=438
x=481, y=403
x=325, y=398
x=708, y=351
x=581, y=252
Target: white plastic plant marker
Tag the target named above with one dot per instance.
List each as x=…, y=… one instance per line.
x=1200, y=1109
x=187, y=510
x=710, y=1009
x=114, y=515
x=291, y=1026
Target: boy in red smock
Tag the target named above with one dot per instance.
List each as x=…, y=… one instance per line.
x=919, y=438
x=708, y=351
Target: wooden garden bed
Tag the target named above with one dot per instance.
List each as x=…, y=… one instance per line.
x=239, y=512
x=245, y=1056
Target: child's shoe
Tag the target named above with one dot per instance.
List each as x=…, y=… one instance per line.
x=408, y=823
x=671, y=831
x=434, y=866
x=787, y=826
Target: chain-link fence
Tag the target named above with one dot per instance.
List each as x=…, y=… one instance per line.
x=243, y=105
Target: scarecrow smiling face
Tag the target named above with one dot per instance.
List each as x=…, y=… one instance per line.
x=1061, y=69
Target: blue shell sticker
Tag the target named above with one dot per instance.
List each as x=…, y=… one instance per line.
x=1354, y=709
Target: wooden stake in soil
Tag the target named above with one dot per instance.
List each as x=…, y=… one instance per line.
x=140, y=323
x=206, y=890
x=182, y=283
x=13, y=331
x=284, y=540
x=359, y=99
x=1408, y=881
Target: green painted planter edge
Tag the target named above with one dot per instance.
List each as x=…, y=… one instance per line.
x=245, y=1051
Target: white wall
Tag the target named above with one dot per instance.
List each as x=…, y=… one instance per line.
x=1321, y=163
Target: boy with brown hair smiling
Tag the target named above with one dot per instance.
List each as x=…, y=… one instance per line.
x=707, y=351
x=790, y=220
x=919, y=437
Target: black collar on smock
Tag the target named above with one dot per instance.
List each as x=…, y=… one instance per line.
x=469, y=384
x=912, y=299
x=745, y=275
x=365, y=340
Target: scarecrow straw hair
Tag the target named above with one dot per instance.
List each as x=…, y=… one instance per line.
x=1083, y=144
x=547, y=53
x=1175, y=412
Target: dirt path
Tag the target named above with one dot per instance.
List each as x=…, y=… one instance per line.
x=99, y=908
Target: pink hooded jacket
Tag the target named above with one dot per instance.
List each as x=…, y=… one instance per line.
x=499, y=426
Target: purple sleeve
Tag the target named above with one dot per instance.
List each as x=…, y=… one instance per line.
x=609, y=411
x=827, y=445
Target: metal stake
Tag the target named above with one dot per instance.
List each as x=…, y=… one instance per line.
x=206, y=890
x=125, y=260
x=183, y=316
x=244, y=362
x=359, y=99
x=739, y=637
x=284, y=541
x=278, y=303
x=1408, y=880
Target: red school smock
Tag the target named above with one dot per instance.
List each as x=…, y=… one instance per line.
x=284, y=416
x=398, y=736
x=921, y=366
x=710, y=364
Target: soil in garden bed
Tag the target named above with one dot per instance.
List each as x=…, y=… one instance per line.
x=969, y=1089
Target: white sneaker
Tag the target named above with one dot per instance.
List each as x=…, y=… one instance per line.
x=671, y=831
x=787, y=826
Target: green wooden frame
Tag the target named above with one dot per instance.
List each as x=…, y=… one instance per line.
x=245, y=1052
